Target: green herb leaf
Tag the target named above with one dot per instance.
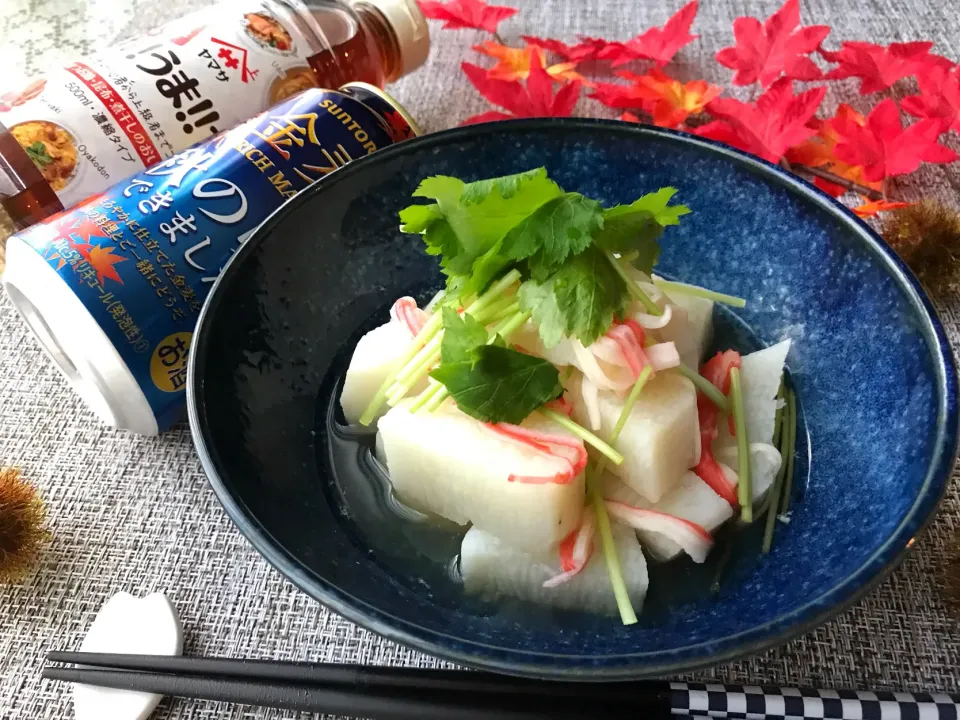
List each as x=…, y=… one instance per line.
x=461, y=334
x=478, y=215
x=638, y=226
x=38, y=153
x=556, y=230
x=417, y=218
x=581, y=299
x=498, y=384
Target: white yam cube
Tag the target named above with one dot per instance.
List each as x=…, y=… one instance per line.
x=760, y=377
x=493, y=569
x=376, y=356
x=691, y=500
x=692, y=338
x=449, y=464
x=659, y=441
x=764, y=465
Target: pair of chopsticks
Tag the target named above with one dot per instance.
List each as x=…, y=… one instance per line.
x=390, y=693
x=378, y=693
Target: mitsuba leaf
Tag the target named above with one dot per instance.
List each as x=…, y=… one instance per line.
x=461, y=334
x=580, y=299
x=498, y=384
x=557, y=229
x=637, y=227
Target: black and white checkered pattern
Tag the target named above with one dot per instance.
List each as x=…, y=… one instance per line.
x=739, y=702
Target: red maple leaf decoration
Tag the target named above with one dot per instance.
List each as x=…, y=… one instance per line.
x=669, y=101
x=939, y=97
x=777, y=121
x=778, y=47
x=878, y=67
x=819, y=152
x=884, y=147
x=475, y=14
x=874, y=207
x=587, y=49
x=536, y=99
x=657, y=44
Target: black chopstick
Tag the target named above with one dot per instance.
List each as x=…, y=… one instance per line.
x=376, y=705
x=365, y=677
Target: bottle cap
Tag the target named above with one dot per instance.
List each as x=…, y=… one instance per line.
x=410, y=27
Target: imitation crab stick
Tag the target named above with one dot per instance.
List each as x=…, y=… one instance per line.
x=692, y=501
x=459, y=468
x=494, y=569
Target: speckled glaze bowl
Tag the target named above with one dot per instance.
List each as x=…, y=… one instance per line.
x=870, y=364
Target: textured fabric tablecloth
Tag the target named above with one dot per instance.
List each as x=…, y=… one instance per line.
x=136, y=514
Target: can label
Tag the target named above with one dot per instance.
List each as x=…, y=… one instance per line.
x=95, y=122
x=142, y=256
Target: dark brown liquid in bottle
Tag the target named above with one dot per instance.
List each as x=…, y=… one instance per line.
x=369, y=55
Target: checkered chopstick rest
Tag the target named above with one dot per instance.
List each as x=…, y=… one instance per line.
x=765, y=703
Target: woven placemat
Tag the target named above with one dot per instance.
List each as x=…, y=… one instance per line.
x=136, y=514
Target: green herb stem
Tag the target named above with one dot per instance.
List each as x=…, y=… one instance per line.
x=494, y=292
x=426, y=334
x=399, y=391
x=704, y=386
x=425, y=396
x=505, y=312
x=491, y=312
x=509, y=326
x=744, y=486
x=636, y=292
x=773, y=506
x=423, y=356
x=627, y=614
x=584, y=434
x=696, y=291
x=791, y=448
x=778, y=418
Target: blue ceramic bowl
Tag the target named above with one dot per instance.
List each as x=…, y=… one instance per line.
x=870, y=365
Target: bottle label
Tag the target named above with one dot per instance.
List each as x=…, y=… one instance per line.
x=94, y=122
x=143, y=255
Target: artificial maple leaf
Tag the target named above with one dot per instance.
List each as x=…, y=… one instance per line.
x=670, y=101
x=534, y=100
x=475, y=14
x=103, y=260
x=778, y=47
x=657, y=44
x=586, y=49
x=618, y=95
x=872, y=208
x=776, y=122
x=818, y=152
x=630, y=117
x=939, y=97
x=884, y=147
x=514, y=63
x=878, y=67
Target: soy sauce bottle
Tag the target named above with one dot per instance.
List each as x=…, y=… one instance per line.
x=93, y=122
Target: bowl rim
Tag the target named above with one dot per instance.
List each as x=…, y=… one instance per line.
x=621, y=666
